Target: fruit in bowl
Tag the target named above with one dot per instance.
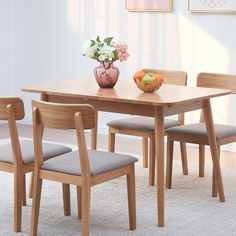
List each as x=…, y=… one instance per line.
x=148, y=82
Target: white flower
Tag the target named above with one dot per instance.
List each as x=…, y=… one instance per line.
x=102, y=58
x=91, y=51
x=110, y=57
x=106, y=49
x=106, y=52
x=88, y=50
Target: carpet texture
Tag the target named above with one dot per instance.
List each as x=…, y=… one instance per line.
x=190, y=210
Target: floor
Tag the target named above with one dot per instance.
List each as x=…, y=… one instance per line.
x=198, y=213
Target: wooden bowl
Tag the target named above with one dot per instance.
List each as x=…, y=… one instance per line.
x=152, y=85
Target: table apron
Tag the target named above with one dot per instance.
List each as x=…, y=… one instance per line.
x=126, y=108
x=183, y=107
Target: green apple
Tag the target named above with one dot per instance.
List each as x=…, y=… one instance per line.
x=150, y=74
x=147, y=79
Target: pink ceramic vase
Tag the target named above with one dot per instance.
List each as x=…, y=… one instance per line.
x=106, y=74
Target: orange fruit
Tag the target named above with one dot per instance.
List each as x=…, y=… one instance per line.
x=158, y=77
x=139, y=75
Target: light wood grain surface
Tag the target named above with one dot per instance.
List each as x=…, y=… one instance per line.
x=126, y=92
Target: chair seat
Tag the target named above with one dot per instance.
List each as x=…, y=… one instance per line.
x=27, y=150
x=141, y=123
x=199, y=129
x=100, y=162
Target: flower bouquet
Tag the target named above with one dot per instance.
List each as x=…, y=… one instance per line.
x=106, y=52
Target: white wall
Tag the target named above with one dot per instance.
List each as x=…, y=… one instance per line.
x=5, y=88
x=41, y=41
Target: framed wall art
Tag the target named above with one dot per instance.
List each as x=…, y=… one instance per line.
x=221, y=6
x=149, y=5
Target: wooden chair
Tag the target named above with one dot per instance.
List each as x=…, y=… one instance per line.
x=144, y=127
x=83, y=168
x=17, y=156
x=196, y=133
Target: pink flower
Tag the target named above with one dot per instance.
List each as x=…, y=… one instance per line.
x=121, y=49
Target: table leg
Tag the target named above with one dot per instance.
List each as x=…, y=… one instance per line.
x=94, y=133
x=213, y=146
x=159, y=143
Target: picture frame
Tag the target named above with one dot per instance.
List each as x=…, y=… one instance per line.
x=149, y=5
x=212, y=6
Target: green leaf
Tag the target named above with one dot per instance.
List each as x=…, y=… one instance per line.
x=92, y=43
x=95, y=58
x=115, y=56
x=96, y=55
x=98, y=39
x=108, y=40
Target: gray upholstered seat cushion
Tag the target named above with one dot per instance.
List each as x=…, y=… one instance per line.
x=27, y=149
x=141, y=123
x=99, y=161
x=199, y=129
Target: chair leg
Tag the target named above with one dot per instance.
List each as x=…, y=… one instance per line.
x=17, y=201
x=111, y=141
x=214, y=184
x=152, y=161
x=184, y=158
x=23, y=191
x=131, y=198
x=85, y=209
x=169, y=162
x=36, y=204
x=201, y=160
x=145, y=152
x=31, y=185
x=66, y=199
x=214, y=187
x=79, y=201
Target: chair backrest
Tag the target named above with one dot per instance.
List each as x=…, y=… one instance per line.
x=46, y=98
x=171, y=76
x=219, y=81
x=12, y=109
x=17, y=106
x=213, y=80
x=63, y=116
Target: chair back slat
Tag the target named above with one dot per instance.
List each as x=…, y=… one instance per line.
x=12, y=109
x=17, y=104
x=171, y=76
x=61, y=116
x=219, y=81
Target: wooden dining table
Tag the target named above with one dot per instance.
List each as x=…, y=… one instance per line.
x=126, y=98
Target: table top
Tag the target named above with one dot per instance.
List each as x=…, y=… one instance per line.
x=127, y=92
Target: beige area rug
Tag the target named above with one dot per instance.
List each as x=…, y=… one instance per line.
x=189, y=210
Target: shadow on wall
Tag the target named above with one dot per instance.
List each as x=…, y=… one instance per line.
x=213, y=43
x=180, y=40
